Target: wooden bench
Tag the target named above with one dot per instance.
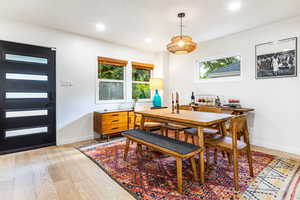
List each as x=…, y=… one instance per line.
x=176, y=148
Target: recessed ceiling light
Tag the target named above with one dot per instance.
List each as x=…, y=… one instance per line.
x=148, y=40
x=100, y=27
x=234, y=6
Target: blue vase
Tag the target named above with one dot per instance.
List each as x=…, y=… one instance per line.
x=156, y=99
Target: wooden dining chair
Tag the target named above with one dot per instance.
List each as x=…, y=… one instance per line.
x=233, y=145
x=208, y=132
x=148, y=125
x=185, y=107
x=175, y=127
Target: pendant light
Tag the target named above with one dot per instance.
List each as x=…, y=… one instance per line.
x=181, y=44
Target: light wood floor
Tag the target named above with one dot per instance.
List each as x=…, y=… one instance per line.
x=62, y=172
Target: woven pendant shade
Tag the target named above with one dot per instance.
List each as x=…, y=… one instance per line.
x=187, y=45
x=181, y=44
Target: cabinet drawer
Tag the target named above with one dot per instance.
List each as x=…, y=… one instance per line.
x=110, y=122
x=114, y=128
x=115, y=116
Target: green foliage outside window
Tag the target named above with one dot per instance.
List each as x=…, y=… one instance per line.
x=141, y=74
x=141, y=91
x=110, y=72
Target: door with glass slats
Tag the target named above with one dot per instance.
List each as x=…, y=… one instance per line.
x=27, y=97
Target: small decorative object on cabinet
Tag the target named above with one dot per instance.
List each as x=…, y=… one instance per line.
x=156, y=84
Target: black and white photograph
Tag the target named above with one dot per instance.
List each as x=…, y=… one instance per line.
x=277, y=59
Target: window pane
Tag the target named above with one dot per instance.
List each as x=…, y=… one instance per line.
x=110, y=72
x=224, y=67
x=27, y=131
x=141, y=91
x=26, y=59
x=111, y=91
x=141, y=74
x=29, y=113
x=25, y=95
x=32, y=77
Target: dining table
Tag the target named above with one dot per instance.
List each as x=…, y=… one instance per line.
x=191, y=119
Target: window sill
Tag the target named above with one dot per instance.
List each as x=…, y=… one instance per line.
x=123, y=101
x=225, y=79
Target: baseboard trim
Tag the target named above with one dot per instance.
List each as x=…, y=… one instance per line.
x=74, y=140
x=293, y=150
x=27, y=148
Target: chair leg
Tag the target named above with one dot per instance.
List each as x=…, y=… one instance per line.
x=223, y=154
x=167, y=132
x=249, y=153
x=179, y=174
x=235, y=170
x=126, y=149
x=177, y=134
x=138, y=148
x=249, y=156
x=216, y=155
x=186, y=137
x=193, y=138
x=162, y=131
x=207, y=156
x=194, y=168
x=229, y=157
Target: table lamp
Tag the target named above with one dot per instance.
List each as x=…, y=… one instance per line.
x=156, y=84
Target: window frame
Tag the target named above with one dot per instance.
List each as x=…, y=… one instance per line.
x=127, y=86
x=220, y=79
x=98, y=80
x=141, y=82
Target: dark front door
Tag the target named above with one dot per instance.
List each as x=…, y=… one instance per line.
x=27, y=97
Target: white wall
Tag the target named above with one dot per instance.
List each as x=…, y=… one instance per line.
x=275, y=122
x=76, y=62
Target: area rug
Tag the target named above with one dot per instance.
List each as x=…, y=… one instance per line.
x=153, y=175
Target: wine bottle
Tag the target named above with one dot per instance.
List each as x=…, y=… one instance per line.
x=193, y=98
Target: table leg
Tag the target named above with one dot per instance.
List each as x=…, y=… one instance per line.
x=201, y=154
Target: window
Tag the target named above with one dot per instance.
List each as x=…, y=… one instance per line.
x=111, y=79
x=219, y=68
x=141, y=74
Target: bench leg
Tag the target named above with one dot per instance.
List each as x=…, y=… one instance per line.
x=201, y=167
x=193, y=162
x=179, y=174
x=126, y=148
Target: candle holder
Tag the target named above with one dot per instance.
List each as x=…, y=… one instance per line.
x=177, y=103
x=173, y=106
x=177, y=108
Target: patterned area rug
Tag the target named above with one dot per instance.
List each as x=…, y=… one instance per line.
x=153, y=175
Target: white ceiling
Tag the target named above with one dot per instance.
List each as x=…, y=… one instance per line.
x=129, y=22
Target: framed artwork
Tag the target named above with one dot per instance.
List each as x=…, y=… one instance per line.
x=219, y=68
x=276, y=59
